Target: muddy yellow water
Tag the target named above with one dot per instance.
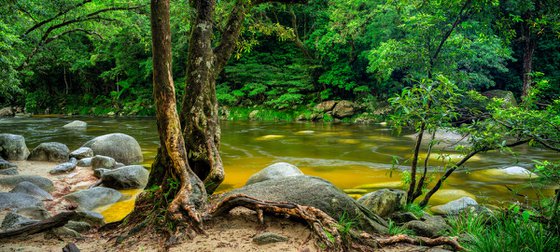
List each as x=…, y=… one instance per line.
x=356, y=158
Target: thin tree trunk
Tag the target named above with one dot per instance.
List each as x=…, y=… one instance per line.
x=414, y=165
x=528, y=51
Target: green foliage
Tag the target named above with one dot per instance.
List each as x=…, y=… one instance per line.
x=394, y=229
x=415, y=209
x=345, y=224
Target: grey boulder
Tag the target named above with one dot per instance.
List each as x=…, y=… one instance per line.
x=53, y=151
x=127, y=177
x=65, y=167
x=343, y=109
x=103, y=162
x=385, y=201
x=275, y=171
x=12, y=147
x=44, y=183
x=32, y=189
x=77, y=124
x=18, y=200
x=315, y=192
x=82, y=152
x=121, y=147
x=454, y=207
x=95, y=197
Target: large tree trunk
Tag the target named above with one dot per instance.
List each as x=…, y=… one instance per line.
x=182, y=192
x=200, y=107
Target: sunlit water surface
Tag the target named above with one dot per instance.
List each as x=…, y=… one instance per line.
x=350, y=156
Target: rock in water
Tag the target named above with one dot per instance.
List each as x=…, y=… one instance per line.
x=81, y=153
x=454, y=207
x=121, y=147
x=65, y=167
x=103, y=162
x=77, y=124
x=94, y=197
x=315, y=192
x=32, y=189
x=127, y=177
x=274, y=171
x=44, y=183
x=53, y=151
x=18, y=200
x=12, y=147
x=385, y=201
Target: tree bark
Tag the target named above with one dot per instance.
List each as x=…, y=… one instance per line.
x=189, y=194
x=529, y=45
x=413, y=167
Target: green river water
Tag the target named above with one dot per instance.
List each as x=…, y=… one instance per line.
x=350, y=156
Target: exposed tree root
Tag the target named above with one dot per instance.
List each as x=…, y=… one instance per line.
x=324, y=226
x=424, y=241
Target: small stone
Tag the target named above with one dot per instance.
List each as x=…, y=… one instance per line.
x=12, y=147
x=81, y=153
x=454, y=207
x=78, y=226
x=431, y=226
x=9, y=171
x=67, y=232
x=44, y=183
x=385, y=201
x=5, y=164
x=274, y=171
x=98, y=173
x=402, y=217
x=14, y=220
x=102, y=162
x=268, y=237
x=64, y=167
x=84, y=162
x=18, y=200
x=127, y=177
x=94, y=197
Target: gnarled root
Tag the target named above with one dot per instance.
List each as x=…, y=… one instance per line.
x=424, y=241
x=181, y=209
x=324, y=226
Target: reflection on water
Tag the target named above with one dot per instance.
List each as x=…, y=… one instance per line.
x=350, y=156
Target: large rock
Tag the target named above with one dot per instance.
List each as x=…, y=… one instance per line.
x=430, y=226
x=103, y=162
x=315, y=192
x=18, y=200
x=81, y=153
x=275, y=171
x=454, y=207
x=343, y=109
x=76, y=125
x=53, y=151
x=14, y=220
x=127, y=177
x=65, y=167
x=325, y=106
x=507, y=96
x=32, y=189
x=44, y=183
x=121, y=147
x=12, y=147
x=95, y=197
x=385, y=201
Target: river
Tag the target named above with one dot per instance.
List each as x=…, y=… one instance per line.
x=350, y=156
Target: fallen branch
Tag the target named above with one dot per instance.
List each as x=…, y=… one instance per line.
x=58, y=220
